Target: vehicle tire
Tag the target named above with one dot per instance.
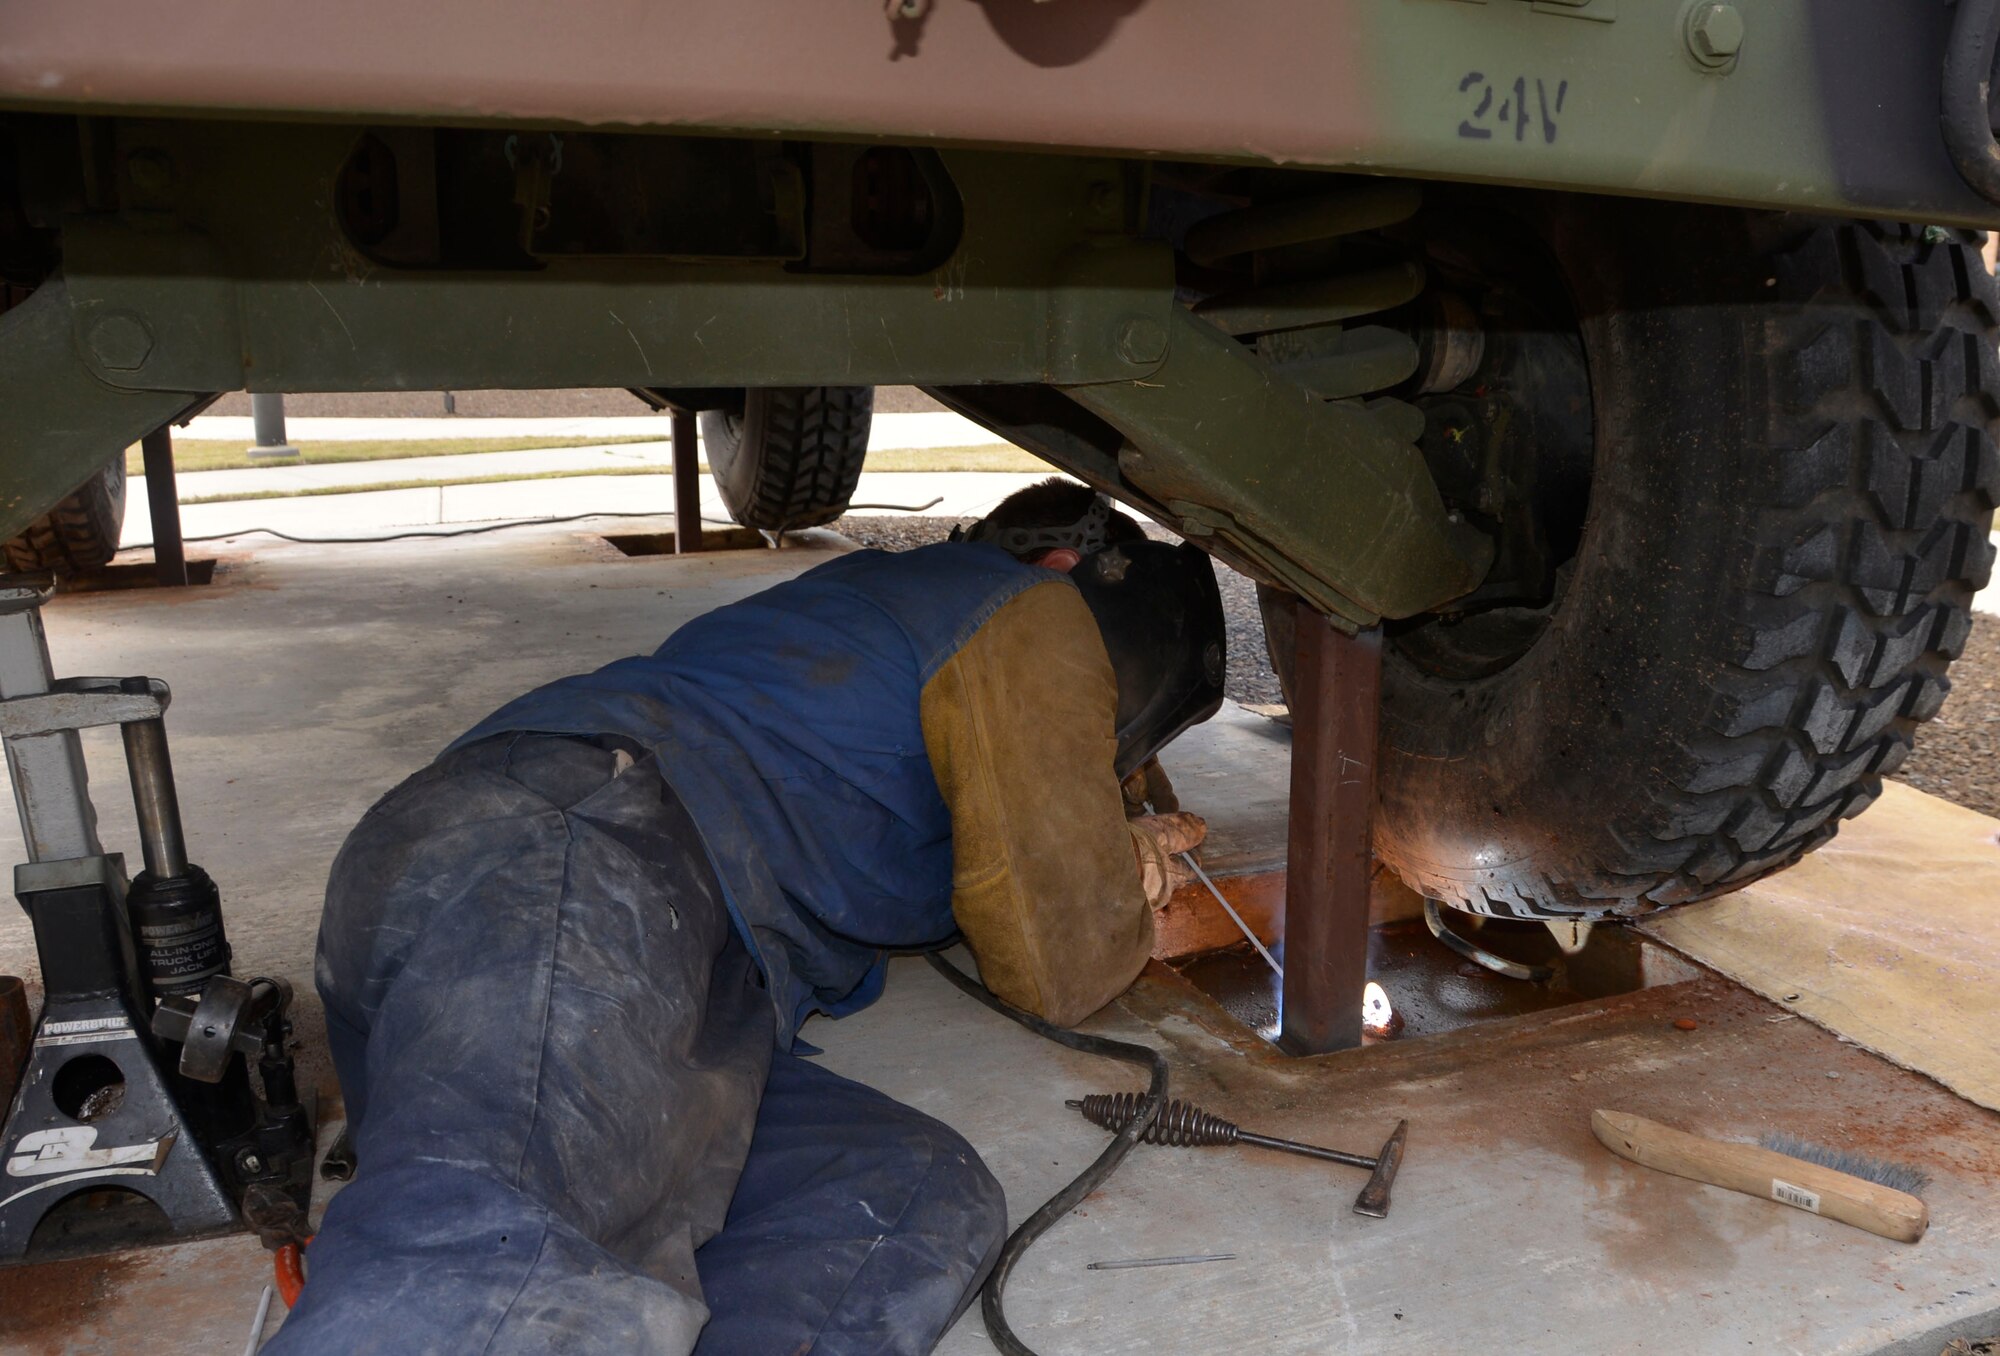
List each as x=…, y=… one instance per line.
x=791, y=456
x=81, y=532
x=1791, y=488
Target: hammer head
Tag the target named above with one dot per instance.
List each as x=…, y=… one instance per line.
x=1374, y=1198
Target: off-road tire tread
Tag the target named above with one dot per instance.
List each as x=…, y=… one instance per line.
x=79, y=533
x=811, y=441
x=82, y=531
x=1870, y=538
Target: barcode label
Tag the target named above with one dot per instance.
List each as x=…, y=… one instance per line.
x=1794, y=1195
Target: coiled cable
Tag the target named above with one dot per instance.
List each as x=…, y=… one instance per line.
x=1090, y=1179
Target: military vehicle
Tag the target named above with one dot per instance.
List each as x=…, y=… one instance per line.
x=1630, y=362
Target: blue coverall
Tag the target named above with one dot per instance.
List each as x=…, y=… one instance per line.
x=564, y=968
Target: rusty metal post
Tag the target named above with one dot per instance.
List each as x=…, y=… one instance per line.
x=687, y=484
x=1336, y=713
x=163, y=501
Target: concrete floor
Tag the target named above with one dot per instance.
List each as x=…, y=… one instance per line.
x=310, y=679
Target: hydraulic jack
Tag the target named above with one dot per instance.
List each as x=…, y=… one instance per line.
x=136, y=1079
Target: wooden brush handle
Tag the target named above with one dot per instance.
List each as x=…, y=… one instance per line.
x=1757, y=1171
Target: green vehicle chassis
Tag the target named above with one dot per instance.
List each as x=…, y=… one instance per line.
x=201, y=256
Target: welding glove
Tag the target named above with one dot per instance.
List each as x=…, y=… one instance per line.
x=1156, y=842
x=1148, y=792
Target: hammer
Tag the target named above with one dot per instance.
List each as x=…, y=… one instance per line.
x=1182, y=1125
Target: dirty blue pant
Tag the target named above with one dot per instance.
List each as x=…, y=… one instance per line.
x=574, y=1134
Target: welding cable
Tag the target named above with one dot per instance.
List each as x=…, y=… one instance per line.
x=1499, y=965
x=1090, y=1179
x=900, y=508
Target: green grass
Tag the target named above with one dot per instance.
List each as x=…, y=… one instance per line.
x=214, y=454
x=980, y=458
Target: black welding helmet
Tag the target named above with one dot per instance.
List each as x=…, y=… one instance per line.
x=1161, y=615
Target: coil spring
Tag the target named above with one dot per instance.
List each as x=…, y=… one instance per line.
x=1180, y=1125
x=1300, y=324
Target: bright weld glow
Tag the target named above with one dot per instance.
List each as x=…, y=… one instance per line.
x=1376, y=1013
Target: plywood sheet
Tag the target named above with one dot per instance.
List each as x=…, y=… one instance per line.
x=1890, y=936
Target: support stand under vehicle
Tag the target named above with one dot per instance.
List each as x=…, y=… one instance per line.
x=1330, y=861
x=104, y=1103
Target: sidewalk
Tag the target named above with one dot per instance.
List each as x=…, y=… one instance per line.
x=963, y=494
x=888, y=430
x=281, y=476
x=375, y=513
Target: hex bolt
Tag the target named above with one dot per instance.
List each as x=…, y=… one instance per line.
x=249, y=1163
x=150, y=169
x=1714, y=34
x=120, y=342
x=1142, y=341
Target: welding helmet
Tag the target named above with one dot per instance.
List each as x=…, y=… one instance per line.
x=1160, y=613
x=1090, y=532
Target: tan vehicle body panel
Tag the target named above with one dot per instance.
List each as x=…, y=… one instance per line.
x=1832, y=104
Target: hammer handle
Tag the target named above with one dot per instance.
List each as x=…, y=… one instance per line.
x=1757, y=1171
x=1292, y=1146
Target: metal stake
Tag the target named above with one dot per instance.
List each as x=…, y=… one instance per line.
x=163, y=501
x=1336, y=713
x=687, y=484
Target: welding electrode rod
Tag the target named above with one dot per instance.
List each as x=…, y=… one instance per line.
x=1125, y=1264
x=1202, y=876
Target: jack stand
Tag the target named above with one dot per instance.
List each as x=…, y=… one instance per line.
x=1330, y=858
x=97, y=1108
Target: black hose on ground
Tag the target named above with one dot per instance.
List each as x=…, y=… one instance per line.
x=1085, y=1182
x=1965, y=107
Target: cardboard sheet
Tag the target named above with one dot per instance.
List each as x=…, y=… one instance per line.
x=1889, y=935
